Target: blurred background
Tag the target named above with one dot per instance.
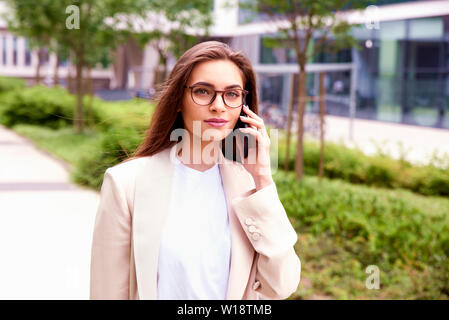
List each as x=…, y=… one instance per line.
x=358, y=92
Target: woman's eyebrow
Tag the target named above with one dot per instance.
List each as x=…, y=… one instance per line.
x=212, y=86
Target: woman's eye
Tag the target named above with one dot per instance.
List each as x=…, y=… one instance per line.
x=202, y=91
x=232, y=94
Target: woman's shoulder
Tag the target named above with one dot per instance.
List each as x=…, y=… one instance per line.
x=127, y=167
x=123, y=175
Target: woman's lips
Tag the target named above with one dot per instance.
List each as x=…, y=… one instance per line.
x=215, y=124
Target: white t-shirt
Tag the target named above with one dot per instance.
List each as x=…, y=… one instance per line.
x=195, y=248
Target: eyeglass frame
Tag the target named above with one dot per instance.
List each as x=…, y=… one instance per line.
x=245, y=92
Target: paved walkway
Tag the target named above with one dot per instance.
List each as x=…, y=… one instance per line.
x=418, y=143
x=46, y=225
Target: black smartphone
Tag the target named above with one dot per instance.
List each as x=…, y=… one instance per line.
x=245, y=136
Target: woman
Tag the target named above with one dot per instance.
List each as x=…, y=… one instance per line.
x=180, y=220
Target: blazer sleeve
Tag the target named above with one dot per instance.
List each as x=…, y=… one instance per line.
x=269, y=230
x=109, y=274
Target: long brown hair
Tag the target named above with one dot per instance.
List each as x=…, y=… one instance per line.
x=165, y=118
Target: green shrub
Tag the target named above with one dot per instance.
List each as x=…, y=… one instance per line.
x=376, y=226
x=380, y=171
x=120, y=128
x=428, y=181
x=9, y=84
x=116, y=145
x=124, y=114
x=7, y=87
x=385, y=222
x=354, y=166
x=49, y=107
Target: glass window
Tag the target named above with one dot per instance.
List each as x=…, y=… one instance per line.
x=14, y=52
x=271, y=88
x=4, y=45
x=340, y=56
x=275, y=55
x=27, y=53
x=392, y=30
x=426, y=28
x=246, y=16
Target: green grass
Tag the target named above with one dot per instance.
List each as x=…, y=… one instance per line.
x=71, y=147
x=63, y=143
x=343, y=228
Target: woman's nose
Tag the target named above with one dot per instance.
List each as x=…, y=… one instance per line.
x=218, y=102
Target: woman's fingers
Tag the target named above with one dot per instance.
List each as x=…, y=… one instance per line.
x=252, y=114
x=253, y=122
x=239, y=145
x=252, y=131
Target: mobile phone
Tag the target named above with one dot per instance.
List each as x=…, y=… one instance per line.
x=245, y=136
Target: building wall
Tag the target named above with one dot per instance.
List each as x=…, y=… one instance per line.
x=402, y=76
x=16, y=60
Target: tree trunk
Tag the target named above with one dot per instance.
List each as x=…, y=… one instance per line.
x=289, y=124
x=301, y=110
x=56, y=72
x=79, y=112
x=164, y=71
x=160, y=72
x=322, y=115
x=38, y=66
x=91, y=94
x=70, y=74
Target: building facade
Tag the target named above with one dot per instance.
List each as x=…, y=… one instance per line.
x=400, y=70
x=399, y=73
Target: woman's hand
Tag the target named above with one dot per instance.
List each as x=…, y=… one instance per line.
x=258, y=161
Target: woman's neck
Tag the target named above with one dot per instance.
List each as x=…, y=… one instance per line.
x=202, y=157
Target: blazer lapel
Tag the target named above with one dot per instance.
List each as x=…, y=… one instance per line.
x=236, y=183
x=151, y=205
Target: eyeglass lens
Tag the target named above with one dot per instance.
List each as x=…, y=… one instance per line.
x=204, y=95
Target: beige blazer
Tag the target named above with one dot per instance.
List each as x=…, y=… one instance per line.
x=134, y=201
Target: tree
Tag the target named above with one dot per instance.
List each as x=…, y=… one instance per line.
x=34, y=22
x=87, y=31
x=97, y=32
x=172, y=27
x=308, y=27
x=79, y=30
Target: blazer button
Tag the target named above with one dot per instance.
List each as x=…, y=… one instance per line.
x=252, y=229
x=256, y=285
x=256, y=236
x=249, y=221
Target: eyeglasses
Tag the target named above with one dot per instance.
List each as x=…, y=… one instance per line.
x=204, y=95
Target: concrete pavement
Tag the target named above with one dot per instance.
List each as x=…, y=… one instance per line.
x=416, y=144
x=46, y=225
